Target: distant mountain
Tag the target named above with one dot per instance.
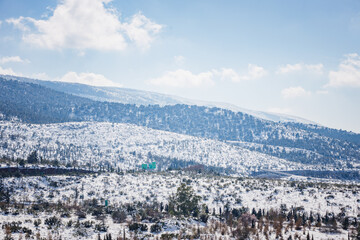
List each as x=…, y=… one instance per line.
x=138, y=97
x=296, y=142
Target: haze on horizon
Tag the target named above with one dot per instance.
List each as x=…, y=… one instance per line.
x=297, y=58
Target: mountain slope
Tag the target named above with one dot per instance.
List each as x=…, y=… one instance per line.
x=286, y=140
x=138, y=97
x=128, y=146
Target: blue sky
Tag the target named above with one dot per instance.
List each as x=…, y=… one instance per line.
x=295, y=57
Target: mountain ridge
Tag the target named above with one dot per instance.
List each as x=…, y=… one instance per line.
x=141, y=97
x=39, y=104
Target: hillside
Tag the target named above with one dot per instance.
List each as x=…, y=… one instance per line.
x=301, y=143
x=126, y=147
x=139, y=97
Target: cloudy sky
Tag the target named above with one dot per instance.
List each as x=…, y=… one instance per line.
x=296, y=57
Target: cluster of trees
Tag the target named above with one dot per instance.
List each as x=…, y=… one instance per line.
x=33, y=158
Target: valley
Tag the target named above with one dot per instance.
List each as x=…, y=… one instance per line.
x=72, y=167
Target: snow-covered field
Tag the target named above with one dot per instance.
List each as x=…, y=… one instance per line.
x=73, y=207
x=215, y=190
x=128, y=146
x=150, y=187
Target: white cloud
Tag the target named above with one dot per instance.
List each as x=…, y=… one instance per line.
x=348, y=73
x=294, y=92
x=89, y=79
x=228, y=74
x=19, y=23
x=254, y=72
x=179, y=60
x=288, y=68
x=184, y=78
x=16, y=59
x=8, y=71
x=86, y=24
x=141, y=30
x=70, y=77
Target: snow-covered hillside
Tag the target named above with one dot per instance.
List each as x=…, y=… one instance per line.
x=139, y=97
x=215, y=191
x=127, y=146
x=295, y=142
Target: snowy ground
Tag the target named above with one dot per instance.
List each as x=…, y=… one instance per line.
x=215, y=191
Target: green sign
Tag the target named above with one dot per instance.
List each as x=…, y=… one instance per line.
x=152, y=165
x=148, y=166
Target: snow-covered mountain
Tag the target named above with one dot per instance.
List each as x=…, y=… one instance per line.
x=302, y=143
x=139, y=97
x=128, y=146
x=89, y=135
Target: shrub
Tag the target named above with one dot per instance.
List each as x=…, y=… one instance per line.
x=204, y=217
x=69, y=224
x=101, y=227
x=133, y=226
x=52, y=222
x=37, y=222
x=143, y=227
x=119, y=216
x=81, y=214
x=87, y=224
x=138, y=226
x=14, y=227
x=168, y=236
x=155, y=228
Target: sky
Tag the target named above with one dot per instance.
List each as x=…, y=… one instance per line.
x=300, y=58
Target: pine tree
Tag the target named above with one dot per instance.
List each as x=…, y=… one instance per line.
x=253, y=212
x=161, y=207
x=259, y=214
x=33, y=158
x=184, y=202
x=346, y=223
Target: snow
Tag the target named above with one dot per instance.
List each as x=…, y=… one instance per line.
x=128, y=146
x=215, y=191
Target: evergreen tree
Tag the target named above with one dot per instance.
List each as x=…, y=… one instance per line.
x=184, y=202
x=346, y=223
x=253, y=212
x=22, y=162
x=33, y=158
x=161, y=207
